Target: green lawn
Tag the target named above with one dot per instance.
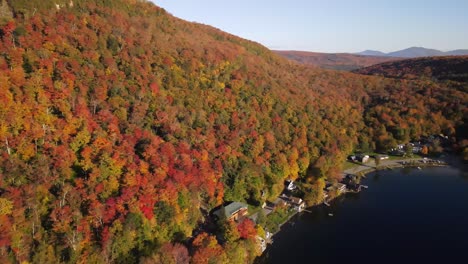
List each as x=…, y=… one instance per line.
x=414, y=156
x=277, y=217
x=348, y=165
x=253, y=209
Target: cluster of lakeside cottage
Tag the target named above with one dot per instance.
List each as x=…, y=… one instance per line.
x=350, y=182
x=238, y=211
x=419, y=146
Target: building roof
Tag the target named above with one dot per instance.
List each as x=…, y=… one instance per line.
x=335, y=186
x=382, y=156
x=230, y=209
x=296, y=200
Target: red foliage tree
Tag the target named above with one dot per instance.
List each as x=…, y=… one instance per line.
x=247, y=229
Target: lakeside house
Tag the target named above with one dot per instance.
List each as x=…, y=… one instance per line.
x=297, y=203
x=261, y=243
x=290, y=186
x=339, y=187
x=349, y=178
x=382, y=157
x=418, y=146
x=232, y=212
x=278, y=202
x=352, y=183
x=398, y=150
x=362, y=158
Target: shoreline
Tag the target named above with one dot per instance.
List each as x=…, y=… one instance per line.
x=364, y=169
x=345, y=207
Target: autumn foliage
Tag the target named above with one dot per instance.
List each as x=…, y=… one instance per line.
x=247, y=229
x=121, y=126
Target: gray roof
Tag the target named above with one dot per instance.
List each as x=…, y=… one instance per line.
x=295, y=200
x=230, y=209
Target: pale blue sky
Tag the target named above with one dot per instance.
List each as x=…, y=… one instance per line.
x=334, y=25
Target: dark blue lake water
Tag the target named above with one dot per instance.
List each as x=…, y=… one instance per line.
x=406, y=215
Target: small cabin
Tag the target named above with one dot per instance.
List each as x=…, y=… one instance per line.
x=290, y=186
x=297, y=203
x=232, y=212
x=362, y=158
x=261, y=243
x=382, y=157
x=279, y=202
x=340, y=187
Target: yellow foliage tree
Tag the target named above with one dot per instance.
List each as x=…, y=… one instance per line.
x=6, y=206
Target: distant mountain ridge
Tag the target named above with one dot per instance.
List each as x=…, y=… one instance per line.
x=334, y=61
x=371, y=53
x=414, y=52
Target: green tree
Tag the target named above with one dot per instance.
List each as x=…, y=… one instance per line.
x=261, y=218
x=229, y=231
x=408, y=150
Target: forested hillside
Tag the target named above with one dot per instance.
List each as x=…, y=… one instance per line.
x=121, y=126
x=451, y=68
x=443, y=79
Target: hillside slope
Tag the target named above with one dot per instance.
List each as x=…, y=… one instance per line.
x=334, y=61
x=454, y=68
x=448, y=71
x=121, y=126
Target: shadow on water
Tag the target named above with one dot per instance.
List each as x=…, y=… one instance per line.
x=457, y=162
x=406, y=170
x=376, y=177
x=353, y=196
x=464, y=175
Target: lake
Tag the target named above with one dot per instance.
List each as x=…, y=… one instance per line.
x=406, y=215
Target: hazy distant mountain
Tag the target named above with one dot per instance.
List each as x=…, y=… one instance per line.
x=415, y=52
x=458, y=52
x=371, y=53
